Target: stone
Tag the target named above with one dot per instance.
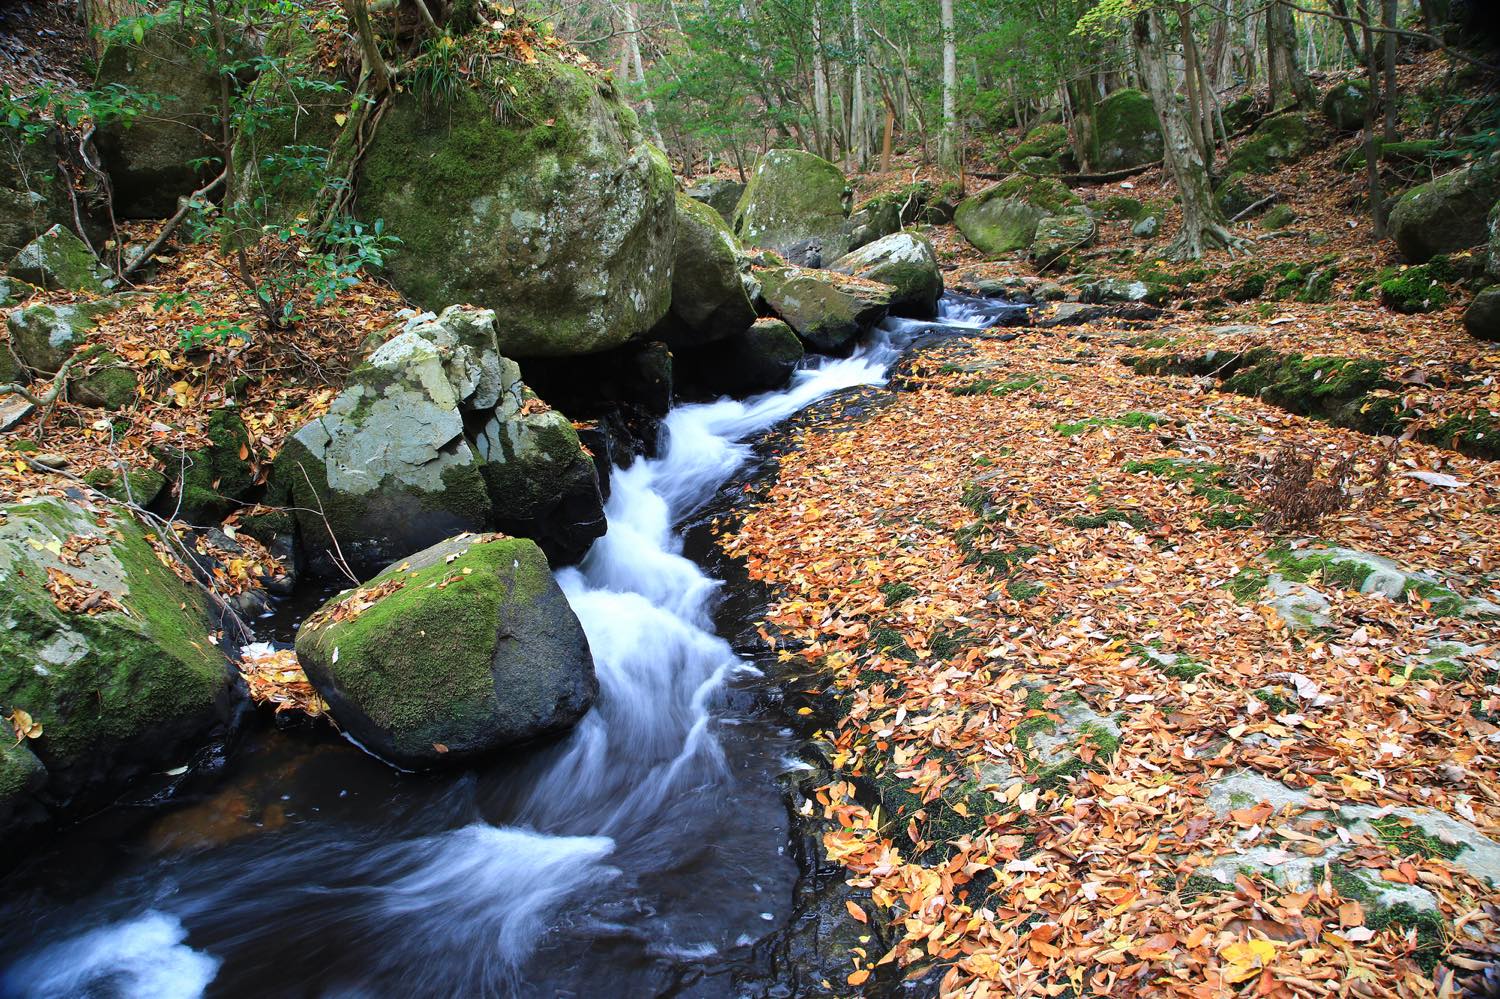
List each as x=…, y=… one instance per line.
x=709, y=298
x=127, y=484
x=462, y=650
x=1344, y=105
x=1125, y=132
x=13, y=411
x=1446, y=214
x=1492, y=250
x=1482, y=317
x=1276, y=141
x=43, y=337
x=1146, y=228
x=516, y=215
x=828, y=310
x=1235, y=194
x=1059, y=237
x=1045, y=141
x=760, y=359
x=58, y=261
x=1299, y=605
x=907, y=263
x=1278, y=218
x=214, y=480
x=33, y=190
x=150, y=156
x=719, y=194
x=108, y=382
x=998, y=225
x=14, y=291
x=876, y=218
x=121, y=692
x=1051, y=747
x=793, y=199
x=1116, y=290
x=467, y=342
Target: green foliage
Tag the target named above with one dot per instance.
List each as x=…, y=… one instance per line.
x=1133, y=420
x=33, y=114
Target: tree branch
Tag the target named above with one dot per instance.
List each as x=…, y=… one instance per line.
x=184, y=205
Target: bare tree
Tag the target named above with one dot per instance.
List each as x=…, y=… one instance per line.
x=948, y=147
x=1288, y=83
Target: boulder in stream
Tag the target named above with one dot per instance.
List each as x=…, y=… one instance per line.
x=106, y=650
x=709, y=300
x=458, y=651
x=759, y=359
x=795, y=203
x=907, y=263
x=827, y=309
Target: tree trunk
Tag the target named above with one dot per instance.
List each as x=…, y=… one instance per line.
x=1374, y=189
x=1390, y=73
x=860, y=111
x=948, y=147
x=822, y=124
x=1341, y=8
x=1289, y=84
x=1201, y=226
x=633, y=41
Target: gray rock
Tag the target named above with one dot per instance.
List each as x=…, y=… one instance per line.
x=760, y=359
x=1115, y=290
x=794, y=197
x=1482, y=317
x=1344, y=105
x=1059, y=237
x=718, y=194
x=43, y=337
x=33, y=191
x=1299, y=605
x=58, y=260
x=907, y=263
x=1446, y=214
x=1146, y=228
x=827, y=309
x=709, y=296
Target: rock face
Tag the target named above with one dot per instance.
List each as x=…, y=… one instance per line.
x=718, y=194
x=119, y=692
x=795, y=201
x=33, y=196
x=1125, y=132
x=43, y=337
x=149, y=158
x=828, y=310
x=760, y=359
x=1446, y=214
x=1344, y=105
x=907, y=263
x=59, y=261
x=1482, y=317
x=560, y=218
x=435, y=435
x=709, y=300
x=880, y=216
x=461, y=650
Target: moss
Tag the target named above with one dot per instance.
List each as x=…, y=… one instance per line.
x=945, y=642
x=890, y=642
x=1276, y=701
x=1133, y=420
x=1246, y=583
x=1044, y=140
x=1477, y=434
x=1414, y=290
x=1112, y=515
x=895, y=593
x=994, y=387
x=1304, y=565
x=1047, y=193
x=1023, y=589
x=1275, y=141
x=1428, y=925
x=1412, y=840
x=1196, y=885
x=1445, y=669
x=137, y=485
x=1118, y=206
x=1440, y=601
x=216, y=477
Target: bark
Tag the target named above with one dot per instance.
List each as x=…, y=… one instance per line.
x=822, y=126
x=1340, y=8
x=948, y=148
x=1201, y=224
x=1289, y=84
x=859, y=110
x=1389, y=96
x=1374, y=189
x=633, y=36
x=359, y=16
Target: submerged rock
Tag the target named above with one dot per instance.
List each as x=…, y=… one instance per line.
x=795, y=199
x=907, y=263
x=122, y=682
x=559, y=216
x=461, y=650
x=759, y=359
x=827, y=309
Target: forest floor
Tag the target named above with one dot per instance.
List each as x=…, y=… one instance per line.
x=1109, y=711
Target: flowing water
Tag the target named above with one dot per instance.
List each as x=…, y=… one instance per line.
x=643, y=854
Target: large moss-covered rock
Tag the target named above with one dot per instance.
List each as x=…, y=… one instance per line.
x=1345, y=104
x=796, y=203
x=1446, y=214
x=461, y=650
x=59, y=261
x=827, y=309
x=151, y=157
x=719, y=194
x=709, y=300
x=43, y=337
x=1125, y=131
x=1482, y=317
x=119, y=691
x=33, y=191
x=1004, y=217
x=1048, y=140
x=556, y=214
x=879, y=216
x=760, y=359
x=907, y=263
x=1236, y=193
x=107, y=382
x=1059, y=237
x=1275, y=142
x=299, y=114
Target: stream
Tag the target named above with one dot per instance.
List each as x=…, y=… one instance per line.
x=645, y=853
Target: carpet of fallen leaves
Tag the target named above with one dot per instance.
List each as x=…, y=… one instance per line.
x=1048, y=890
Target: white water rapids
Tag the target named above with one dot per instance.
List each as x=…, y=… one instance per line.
x=463, y=901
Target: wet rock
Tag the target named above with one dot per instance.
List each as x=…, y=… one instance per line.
x=118, y=693
x=761, y=359
x=514, y=215
x=709, y=299
x=1446, y=214
x=462, y=650
x=719, y=194
x=907, y=263
x=794, y=198
x=826, y=309
x=58, y=260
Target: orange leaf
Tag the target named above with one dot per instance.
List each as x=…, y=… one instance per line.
x=856, y=912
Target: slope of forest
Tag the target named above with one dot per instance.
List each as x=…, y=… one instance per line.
x=1127, y=588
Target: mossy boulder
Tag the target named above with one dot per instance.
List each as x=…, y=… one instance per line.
x=1278, y=218
x=557, y=214
x=1120, y=208
x=760, y=359
x=150, y=157
x=129, y=484
x=59, y=261
x=215, y=479
x=1277, y=141
x=33, y=190
x=1344, y=105
x=709, y=300
x=125, y=680
x=1061, y=236
x=1004, y=217
x=828, y=310
x=1482, y=317
x=108, y=382
x=1414, y=290
x=876, y=218
x=43, y=337
x=795, y=203
x=1125, y=132
x=1236, y=193
x=1446, y=214
x=1042, y=142
x=462, y=650
x=907, y=263
x=719, y=194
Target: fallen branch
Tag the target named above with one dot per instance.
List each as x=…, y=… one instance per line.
x=184, y=205
x=45, y=401
x=1273, y=196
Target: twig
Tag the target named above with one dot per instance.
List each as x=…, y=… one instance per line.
x=45, y=401
x=1273, y=196
x=184, y=205
x=338, y=552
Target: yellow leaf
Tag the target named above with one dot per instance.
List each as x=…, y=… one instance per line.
x=340, y=118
